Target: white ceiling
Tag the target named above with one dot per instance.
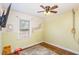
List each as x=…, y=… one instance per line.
x=32, y=8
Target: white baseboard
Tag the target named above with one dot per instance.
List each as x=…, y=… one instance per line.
x=28, y=46
x=64, y=48
x=31, y=45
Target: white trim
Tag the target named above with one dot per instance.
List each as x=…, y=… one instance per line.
x=63, y=48
x=28, y=46
x=31, y=45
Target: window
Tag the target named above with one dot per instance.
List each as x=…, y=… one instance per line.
x=25, y=29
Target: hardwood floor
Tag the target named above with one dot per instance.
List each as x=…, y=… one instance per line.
x=38, y=50
x=57, y=49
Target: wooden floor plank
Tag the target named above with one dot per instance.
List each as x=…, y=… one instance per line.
x=57, y=49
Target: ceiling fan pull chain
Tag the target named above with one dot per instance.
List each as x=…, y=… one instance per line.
x=73, y=29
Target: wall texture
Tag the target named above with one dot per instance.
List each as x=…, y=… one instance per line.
x=58, y=31
x=11, y=37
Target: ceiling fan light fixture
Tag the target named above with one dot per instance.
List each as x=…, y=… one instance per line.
x=47, y=13
x=48, y=10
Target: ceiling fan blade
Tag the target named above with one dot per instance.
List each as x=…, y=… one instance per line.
x=54, y=7
x=53, y=11
x=40, y=11
x=42, y=6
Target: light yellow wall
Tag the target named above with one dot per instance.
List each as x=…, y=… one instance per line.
x=11, y=37
x=58, y=31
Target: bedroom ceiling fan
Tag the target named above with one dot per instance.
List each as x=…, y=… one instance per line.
x=48, y=9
